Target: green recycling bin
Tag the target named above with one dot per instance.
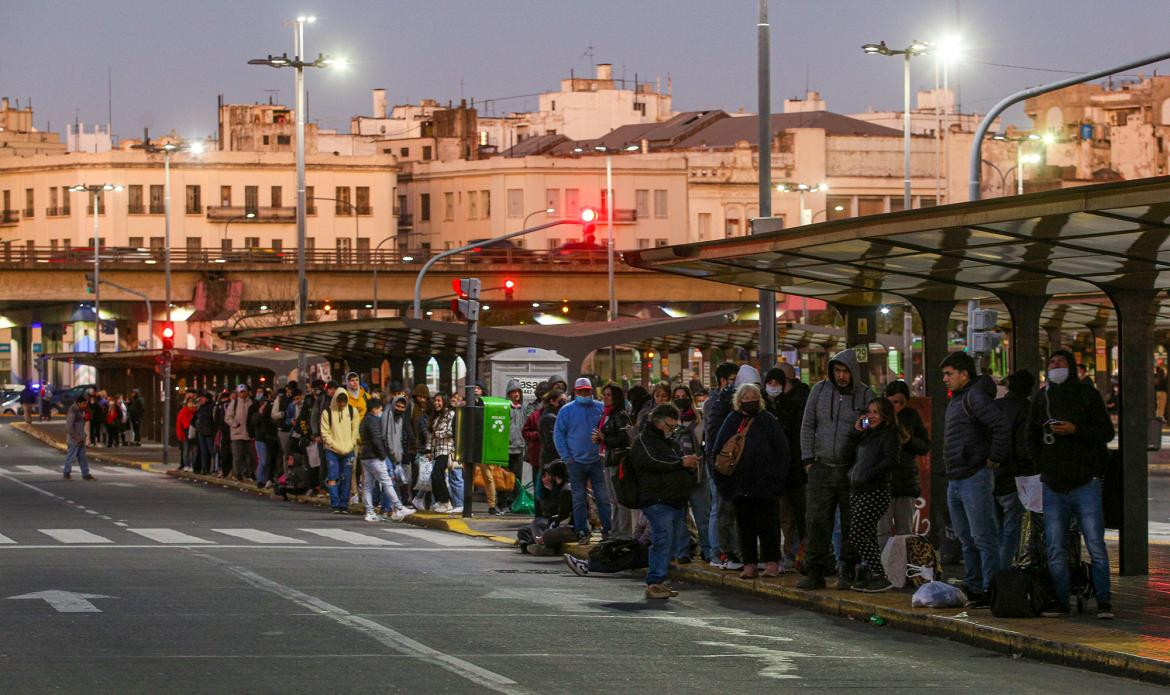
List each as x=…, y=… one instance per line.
x=497, y=425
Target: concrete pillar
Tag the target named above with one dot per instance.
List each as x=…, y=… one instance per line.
x=419, y=363
x=1054, y=340
x=1135, y=336
x=446, y=372
x=1025, y=348
x=396, y=364
x=935, y=317
x=1101, y=377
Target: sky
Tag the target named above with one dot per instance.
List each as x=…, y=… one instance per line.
x=169, y=60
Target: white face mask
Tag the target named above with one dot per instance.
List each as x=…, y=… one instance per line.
x=773, y=390
x=1058, y=375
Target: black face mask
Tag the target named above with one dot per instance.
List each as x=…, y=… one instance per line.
x=683, y=404
x=750, y=408
x=398, y=414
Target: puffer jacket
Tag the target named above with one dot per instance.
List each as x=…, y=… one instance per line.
x=236, y=418
x=763, y=465
x=658, y=465
x=904, y=478
x=715, y=411
x=1015, y=409
x=373, y=439
x=339, y=428
x=830, y=413
x=874, y=453
x=975, y=430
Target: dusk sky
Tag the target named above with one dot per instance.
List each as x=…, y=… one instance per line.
x=170, y=59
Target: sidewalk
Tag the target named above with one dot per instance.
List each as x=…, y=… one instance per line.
x=1135, y=645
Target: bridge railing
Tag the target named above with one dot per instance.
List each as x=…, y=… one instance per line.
x=40, y=256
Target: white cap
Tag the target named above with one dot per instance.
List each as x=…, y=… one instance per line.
x=583, y=383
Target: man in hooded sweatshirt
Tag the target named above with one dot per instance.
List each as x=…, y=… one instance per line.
x=833, y=407
x=339, y=434
x=977, y=439
x=1068, y=428
x=516, y=445
x=398, y=433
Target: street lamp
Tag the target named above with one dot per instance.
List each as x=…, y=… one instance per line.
x=915, y=48
x=222, y=244
x=802, y=188
x=836, y=208
x=95, y=191
x=1021, y=158
x=299, y=65
x=547, y=211
x=375, y=259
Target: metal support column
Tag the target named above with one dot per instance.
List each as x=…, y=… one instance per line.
x=1135, y=333
x=446, y=372
x=419, y=364
x=935, y=317
x=767, y=298
x=1025, y=311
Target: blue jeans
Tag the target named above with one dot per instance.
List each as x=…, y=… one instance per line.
x=713, y=519
x=76, y=452
x=700, y=503
x=971, y=502
x=579, y=475
x=665, y=522
x=339, y=472
x=455, y=485
x=1085, y=503
x=1009, y=510
x=377, y=478
x=206, y=452
x=262, y=462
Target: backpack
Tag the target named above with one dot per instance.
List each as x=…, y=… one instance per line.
x=1020, y=592
x=617, y=555
x=922, y=561
x=625, y=481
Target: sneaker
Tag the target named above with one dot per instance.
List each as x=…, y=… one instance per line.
x=353, y=499
x=1055, y=611
x=846, y=576
x=67, y=476
x=673, y=593
x=443, y=508
x=335, y=511
x=717, y=563
x=407, y=511
x=1105, y=611
x=978, y=599
x=657, y=591
x=875, y=585
x=494, y=512
x=456, y=510
x=87, y=476
x=583, y=539
x=811, y=581
x=419, y=503
x=732, y=565
x=370, y=516
x=578, y=566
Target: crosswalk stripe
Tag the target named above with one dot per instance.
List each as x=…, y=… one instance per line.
x=437, y=537
x=73, y=535
x=351, y=537
x=5, y=539
x=257, y=536
x=166, y=535
x=39, y=470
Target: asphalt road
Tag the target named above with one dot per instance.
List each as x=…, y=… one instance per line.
x=196, y=589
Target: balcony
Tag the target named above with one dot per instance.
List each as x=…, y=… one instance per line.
x=405, y=221
x=29, y=212
x=9, y=218
x=364, y=210
x=157, y=209
x=135, y=209
x=262, y=214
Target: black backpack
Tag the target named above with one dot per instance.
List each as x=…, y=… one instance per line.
x=1020, y=592
x=625, y=480
x=618, y=555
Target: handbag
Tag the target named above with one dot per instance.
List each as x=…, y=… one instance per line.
x=727, y=460
x=425, y=466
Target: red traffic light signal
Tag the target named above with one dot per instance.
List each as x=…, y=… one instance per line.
x=588, y=215
x=509, y=287
x=457, y=285
x=168, y=337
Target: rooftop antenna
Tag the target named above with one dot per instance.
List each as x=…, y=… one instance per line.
x=272, y=93
x=110, y=98
x=461, y=88
x=589, y=52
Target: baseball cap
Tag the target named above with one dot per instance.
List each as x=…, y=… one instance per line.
x=583, y=383
x=241, y=388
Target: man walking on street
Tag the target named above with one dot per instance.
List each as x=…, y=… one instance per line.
x=573, y=435
x=137, y=410
x=833, y=407
x=28, y=399
x=977, y=440
x=1068, y=428
x=75, y=438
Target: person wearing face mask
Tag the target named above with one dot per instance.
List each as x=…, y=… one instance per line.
x=398, y=432
x=573, y=435
x=784, y=397
x=755, y=485
x=905, y=487
x=1068, y=428
x=613, y=436
x=873, y=447
x=689, y=436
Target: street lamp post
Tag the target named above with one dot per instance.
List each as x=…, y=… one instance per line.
x=374, y=258
x=299, y=64
x=95, y=190
x=836, y=208
x=915, y=48
x=1021, y=158
x=802, y=188
x=245, y=216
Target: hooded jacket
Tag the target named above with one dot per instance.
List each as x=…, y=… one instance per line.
x=339, y=428
x=397, y=432
x=975, y=430
x=236, y=417
x=830, y=413
x=573, y=432
x=373, y=440
x=1071, y=460
x=516, y=430
x=715, y=411
x=874, y=455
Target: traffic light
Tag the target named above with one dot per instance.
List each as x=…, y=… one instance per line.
x=168, y=337
x=509, y=287
x=984, y=337
x=589, y=217
x=466, y=304
x=89, y=283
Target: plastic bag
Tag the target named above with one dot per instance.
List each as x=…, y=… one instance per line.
x=938, y=595
x=425, y=466
x=524, y=503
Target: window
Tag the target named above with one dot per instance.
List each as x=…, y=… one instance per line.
x=363, y=250
x=277, y=245
x=401, y=205
x=265, y=139
x=251, y=199
x=472, y=199
x=52, y=201
x=867, y=205
x=157, y=204
x=363, y=200
x=310, y=201
x=731, y=226
x=845, y=202
x=659, y=243
x=552, y=200
x=29, y=203
x=101, y=203
x=485, y=199
x=310, y=245
x=660, y=203
x=515, y=202
x=554, y=244
x=251, y=242
x=134, y=242
x=225, y=246
x=341, y=206
x=448, y=206
x=404, y=152
x=704, y=225
x=572, y=202
x=134, y=200
x=52, y=242
x=277, y=195
x=643, y=244
x=426, y=155
x=927, y=202
x=225, y=196
x=157, y=245
x=194, y=244
x=65, y=202
x=424, y=207
x=344, y=246
x=642, y=203
x=283, y=139
x=194, y=200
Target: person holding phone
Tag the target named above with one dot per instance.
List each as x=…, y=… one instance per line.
x=874, y=448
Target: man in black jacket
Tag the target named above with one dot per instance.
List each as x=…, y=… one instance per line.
x=664, y=481
x=721, y=528
x=374, y=455
x=786, y=397
x=1009, y=509
x=136, y=411
x=1068, y=428
x=976, y=442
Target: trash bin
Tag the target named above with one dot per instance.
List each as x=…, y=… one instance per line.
x=497, y=425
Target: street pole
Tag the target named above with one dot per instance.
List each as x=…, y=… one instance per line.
x=302, y=281
x=767, y=347
x=613, y=310
x=97, y=287
x=469, y=386
x=166, y=449
x=374, y=259
x=1019, y=168
x=906, y=130
x=907, y=343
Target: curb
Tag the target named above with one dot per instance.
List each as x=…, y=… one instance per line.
x=91, y=454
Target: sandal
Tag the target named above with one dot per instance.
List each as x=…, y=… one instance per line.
x=748, y=575
x=772, y=569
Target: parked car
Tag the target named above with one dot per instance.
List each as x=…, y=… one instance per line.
x=11, y=405
x=499, y=252
x=61, y=400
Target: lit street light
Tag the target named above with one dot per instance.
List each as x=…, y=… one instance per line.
x=915, y=48
x=95, y=191
x=1021, y=158
x=806, y=216
x=223, y=242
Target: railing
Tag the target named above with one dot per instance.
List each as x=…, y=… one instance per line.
x=262, y=214
x=42, y=256
x=136, y=209
x=405, y=221
x=9, y=217
x=29, y=212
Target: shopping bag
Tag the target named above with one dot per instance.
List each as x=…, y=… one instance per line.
x=425, y=466
x=314, y=454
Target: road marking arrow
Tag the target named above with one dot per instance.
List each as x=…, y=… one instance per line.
x=65, y=601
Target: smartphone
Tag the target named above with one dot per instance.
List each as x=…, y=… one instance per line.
x=865, y=423
x=1050, y=423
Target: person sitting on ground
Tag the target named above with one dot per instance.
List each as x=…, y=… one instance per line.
x=545, y=535
x=374, y=454
x=873, y=451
